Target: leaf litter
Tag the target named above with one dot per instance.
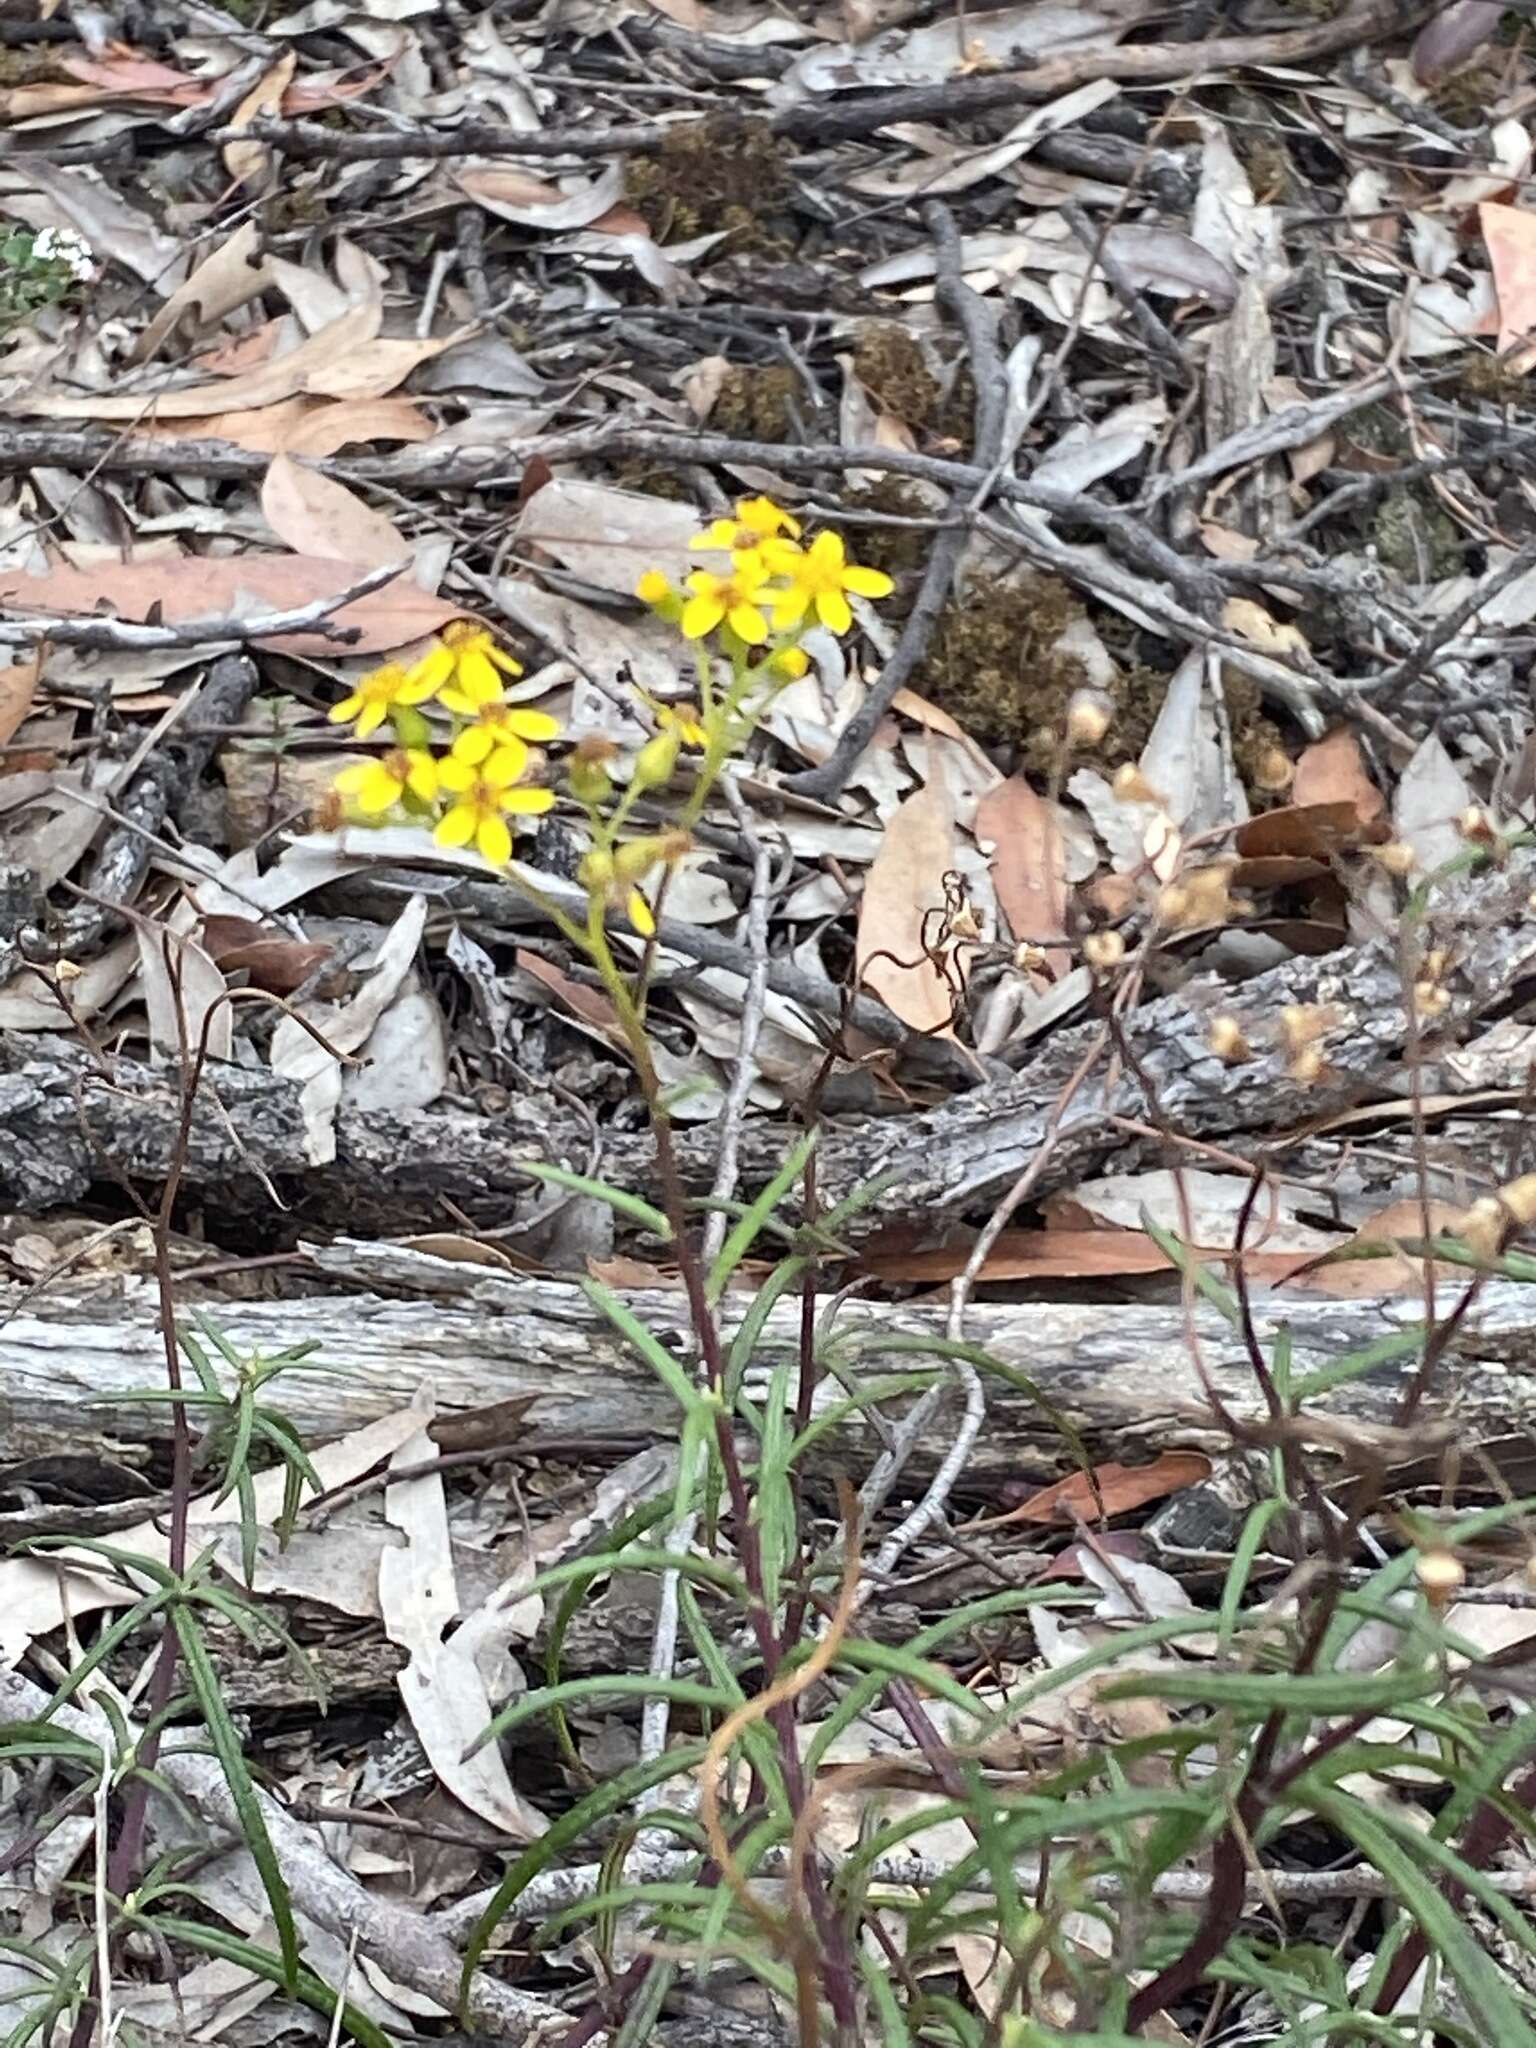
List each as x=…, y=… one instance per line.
x=1235, y=653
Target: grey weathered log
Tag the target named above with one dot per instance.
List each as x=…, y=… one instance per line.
x=68, y=1121
x=1120, y=1373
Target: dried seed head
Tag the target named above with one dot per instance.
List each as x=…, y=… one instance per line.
x=963, y=925
x=1484, y=1226
x=1437, y=963
x=1429, y=999
x=1103, y=951
x=1132, y=787
x=1227, y=1041
x=1173, y=904
x=1275, y=769
x=1302, y=1024
x=1474, y=824
x=1089, y=715
x=1028, y=959
x=1396, y=856
x=1308, y=1067
x=1440, y=1574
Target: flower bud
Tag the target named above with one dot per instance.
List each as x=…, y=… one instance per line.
x=1089, y=713
x=1396, y=856
x=1132, y=787
x=587, y=769
x=596, y=869
x=1274, y=770
x=1226, y=1040
x=1103, y=951
x=656, y=760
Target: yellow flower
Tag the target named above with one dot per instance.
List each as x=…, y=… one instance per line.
x=496, y=725
x=791, y=662
x=468, y=659
x=757, y=520
x=375, y=696
x=484, y=798
x=735, y=599
x=684, y=719
x=819, y=580
x=376, y=786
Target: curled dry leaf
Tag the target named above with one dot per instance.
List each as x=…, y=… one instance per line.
x=1112, y=1489
x=268, y=958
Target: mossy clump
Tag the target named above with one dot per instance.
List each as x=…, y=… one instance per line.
x=1498, y=380
x=1415, y=537
x=23, y=66
x=996, y=666
x=757, y=404
x=890, y=364
x=900, y=550
x=724, y=175
x=1267, y=162
x=655, y=479
x=1465, y=97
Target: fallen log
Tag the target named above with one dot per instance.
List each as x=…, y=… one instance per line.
x=1125, y=1376
x=71, y=1121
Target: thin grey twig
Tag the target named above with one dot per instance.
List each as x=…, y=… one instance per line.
x=978, y=326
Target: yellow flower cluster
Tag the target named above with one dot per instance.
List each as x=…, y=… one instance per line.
x=774, y=584
x=476, y=790
x=753, y=610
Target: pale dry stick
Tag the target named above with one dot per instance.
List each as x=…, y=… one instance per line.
x=131, y=636
x=656, y=1714
x=555, y=1890
x=99, y=1901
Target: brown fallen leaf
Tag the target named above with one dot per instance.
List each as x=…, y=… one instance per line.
x=224, y=586
x=1028, y=867
x=313, y=514
x=589, y=1004
x=1332, y=771
x=270, y=958
x=1376, y=1261
x=302, y=426
x=1306, y=832
x=1056, y=1255
x=1509, y=232
x=1112, y=1489
x=905, y=882
x=18, y=684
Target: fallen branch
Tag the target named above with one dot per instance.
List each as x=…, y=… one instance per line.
x=1120, y=1373
x=130, y=636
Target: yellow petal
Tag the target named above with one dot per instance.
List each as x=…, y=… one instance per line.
x=347, y=709
x=532, y=725
x=721, y=533
x=748, y=623
x=832, y=610
x=453, y=699
x=457, y=774
x=434, y=667
x=494, y=840
x=477, y=675
x=473, y=745
x=381, y=792
x=790, y=607
x=826, y=551
x=701, y=615
x=369, y=719
x=506, y=765
x=414, y=688
x=423, y=777
x=351, y=779
x=867, y=582
x=508, y=664
x=531, y=802
x=638, y=911
x=456, y=827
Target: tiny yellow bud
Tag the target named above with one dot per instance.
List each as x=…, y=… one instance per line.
x=1103, y=951
x=653, y=587
x=1440, y=1574
x=1132, y=787
x=1228, y=1042
x=1396, y=856
x=1089, y=715
x=1274, y=770
x=792, y=662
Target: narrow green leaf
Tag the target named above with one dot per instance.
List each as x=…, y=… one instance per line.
x=637, y=1211
x=740, y=1238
